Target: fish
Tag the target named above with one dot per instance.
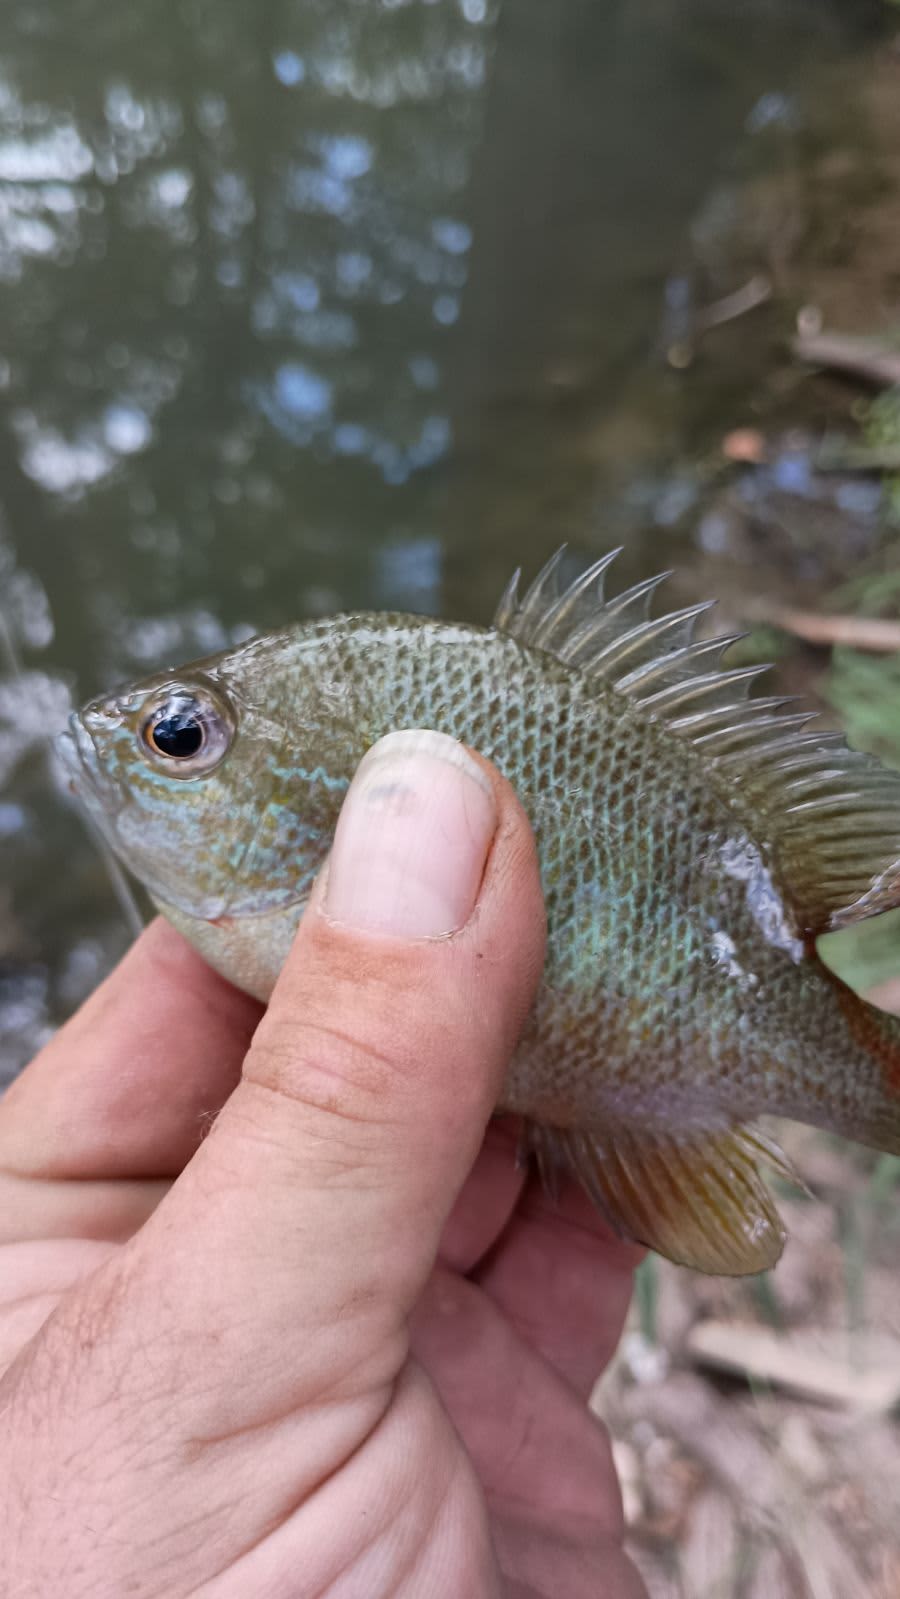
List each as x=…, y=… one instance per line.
x=694, y=839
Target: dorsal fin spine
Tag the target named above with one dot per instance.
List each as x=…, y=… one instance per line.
x=732, y=744
x=682, y=664
x=614, y=620
x=649, y=637
x=558, y=614
x=806, y=784
x=726, y=688
x=750, y=713
x=544, y=588
x=509, y=601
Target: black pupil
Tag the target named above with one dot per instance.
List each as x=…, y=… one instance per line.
x=180, y=735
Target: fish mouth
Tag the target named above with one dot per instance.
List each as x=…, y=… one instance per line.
x=86, y=778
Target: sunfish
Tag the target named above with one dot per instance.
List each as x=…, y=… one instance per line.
x=694, y=842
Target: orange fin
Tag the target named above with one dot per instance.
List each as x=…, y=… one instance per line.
x=833, y=813
x=700, y=1202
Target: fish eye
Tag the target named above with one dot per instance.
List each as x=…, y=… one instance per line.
x=187, y=734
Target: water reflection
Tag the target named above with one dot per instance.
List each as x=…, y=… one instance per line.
x=321, y=303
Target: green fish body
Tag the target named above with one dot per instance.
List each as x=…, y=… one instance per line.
x=693, y=842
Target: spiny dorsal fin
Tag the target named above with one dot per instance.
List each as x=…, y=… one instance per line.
x=701, y=1202
x=833, y=812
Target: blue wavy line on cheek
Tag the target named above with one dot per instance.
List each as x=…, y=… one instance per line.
x=312, y=776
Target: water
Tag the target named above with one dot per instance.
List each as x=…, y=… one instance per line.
x=320, y=303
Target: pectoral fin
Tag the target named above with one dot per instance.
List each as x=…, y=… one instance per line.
x=700, y=1202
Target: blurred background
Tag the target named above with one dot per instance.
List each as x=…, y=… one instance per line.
x=319, y=304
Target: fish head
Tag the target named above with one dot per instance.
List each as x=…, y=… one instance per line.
x=218, y=785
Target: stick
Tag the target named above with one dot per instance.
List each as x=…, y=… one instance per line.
x=871, y=633
x=862, y=358
x=747, y=298
x=857, y=458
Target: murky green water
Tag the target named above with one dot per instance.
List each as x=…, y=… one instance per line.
x=315, y=303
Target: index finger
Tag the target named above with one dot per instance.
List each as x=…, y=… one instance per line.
x=564, y=1280
x=127, y=1088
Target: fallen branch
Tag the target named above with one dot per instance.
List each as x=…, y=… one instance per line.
x=862, y=358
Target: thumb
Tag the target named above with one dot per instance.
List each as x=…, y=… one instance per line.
x=382, y=1055
x=396, y=1016
x=315, y=1207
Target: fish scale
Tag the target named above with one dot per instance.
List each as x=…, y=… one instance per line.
x=692, y=842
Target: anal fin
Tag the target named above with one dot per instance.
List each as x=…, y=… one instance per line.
x=701, y=1201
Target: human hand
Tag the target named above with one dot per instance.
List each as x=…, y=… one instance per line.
x=318, y=1352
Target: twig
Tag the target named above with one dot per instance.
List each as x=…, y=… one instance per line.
x=687, y=325
x=862, y=358
x=833, y=457
x=728, y=309
x=815, y=1368
x=875, y=634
